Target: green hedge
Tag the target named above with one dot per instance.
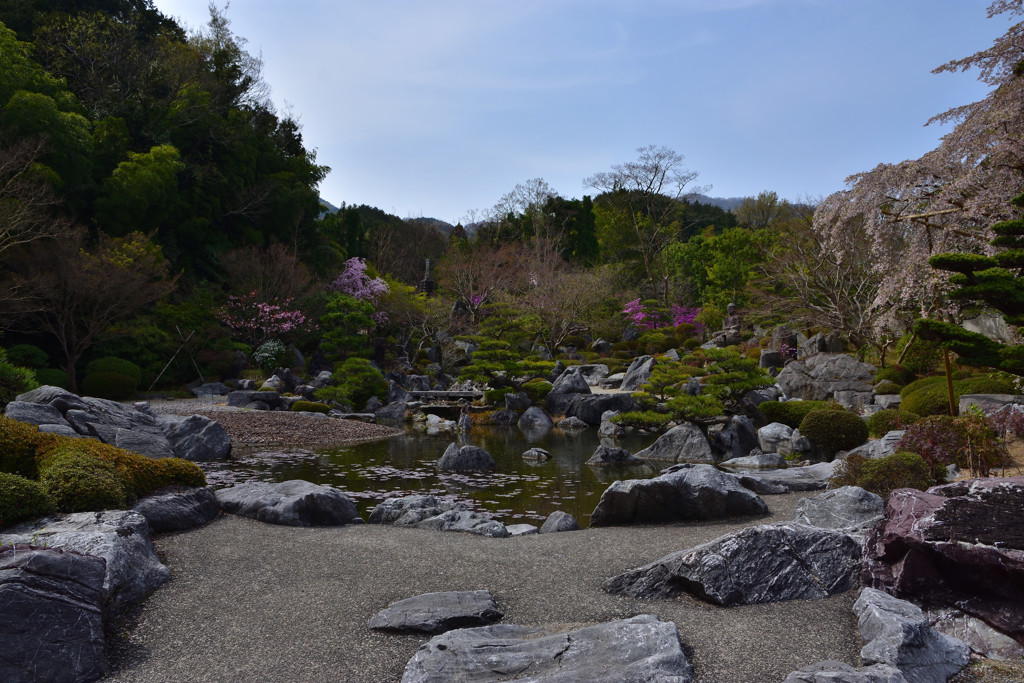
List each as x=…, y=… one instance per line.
x=885, y=421
x=53, y=377
x=834, y=430
x=792, y=413
x=932, y=398
x=115, y=386
x=113, y=364
x=22, y=499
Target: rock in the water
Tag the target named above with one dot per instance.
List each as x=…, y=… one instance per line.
x=759, y=564
x=572, y=423
x=51, y=616
x=760, y=461
x=818, y=377
x=683, y=443
x=435, y=613
x=535, y=418
x=121, y=537
x=559, y=521
x=290, y=503
x=642, y=649
x=638, y=372
x=958, y=544
x=538, y=454
x=465, y=459
x=467, y=521
x=896, y=632
x=848, y=508
x=197, y=438
x=590, y=407
x=179, y=510
x=810, y=478
x=737, y=439
x=839, y=672
x=609, y=455
x=684, y=493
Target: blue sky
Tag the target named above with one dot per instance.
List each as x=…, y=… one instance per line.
x=438, y=107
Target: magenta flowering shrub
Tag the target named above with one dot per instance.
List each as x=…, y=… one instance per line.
x=647, y=319
x=256, y=321
x=682, y=315
x=354, y=282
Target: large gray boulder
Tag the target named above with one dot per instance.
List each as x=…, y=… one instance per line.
x=683, y=493
x=736, y=439
x=590, y=407
x=849, y=508
x=559, y=521
x=289, y=503
x=756, y=565
x=840, y=672
x=197, y=438
x=818, y=377
x=594, y=373
x=757, y=461
x=534, y=418
x=775, y=437
x=120, y=537
x=683, y=443
x=179, y=510
x=605, y=456
x=570, y=383
x=877, y=448
x=637, y=374
x=435, y=613
x=252, y=399
x=35, y=413
x=465, y=459
x=640, y=649
x=409, y=510
x=896, y=632
x=51, y=616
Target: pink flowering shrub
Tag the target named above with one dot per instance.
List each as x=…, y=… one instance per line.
x=645, y=318
x=256, y=321
x=354, y=282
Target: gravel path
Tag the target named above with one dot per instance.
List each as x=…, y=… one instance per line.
x=275, y=427
x=257, y=602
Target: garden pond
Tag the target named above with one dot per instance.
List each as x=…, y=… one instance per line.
x=519, y=491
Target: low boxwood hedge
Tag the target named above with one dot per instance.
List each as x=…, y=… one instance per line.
x=22, y=499
x=792, y=413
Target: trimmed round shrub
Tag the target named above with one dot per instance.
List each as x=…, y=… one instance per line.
x=497, y=396
x=922, y=383
x=114, y=364
x=691, y=343
x=80, y=483
x=887, y=387
x=896, y=374
x=310, y=407
x=53, y=377
x=28, y=356
x=353, y=382
x=22, y=499
x=179, y=472
x=834, y=430
x=885, y=421
x=115, y=386
x=537, y=389
x=792, y=413
x=20, y=444
x=882, y=476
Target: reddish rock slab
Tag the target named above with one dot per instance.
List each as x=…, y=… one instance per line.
x=957, y=545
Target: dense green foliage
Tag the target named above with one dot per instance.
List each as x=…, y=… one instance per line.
x=834, y=430
x=310, y=407
x=76, y=483
x=931, y=396
x=884, y=475
x=885, y=421
x=353, y=382
x=22, y=499
x=792, y=413
x=115, y=386
x=114, y=364
x=53, y=377
x=14, y=380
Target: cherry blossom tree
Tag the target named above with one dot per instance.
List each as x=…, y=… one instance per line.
x=944, y=201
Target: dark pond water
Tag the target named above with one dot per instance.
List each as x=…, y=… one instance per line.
x=519, y=491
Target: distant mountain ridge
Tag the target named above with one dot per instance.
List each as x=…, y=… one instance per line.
x=727, y=203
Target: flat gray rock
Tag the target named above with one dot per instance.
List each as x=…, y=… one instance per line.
x=640, y=649
x=51, y=616
x=290, y=503
x=683, y=493
x=849, y=508
x=762, y=461
x=809, y=478
x=35, y=413
x=839, y=672
x=897, y=633
x=409, y=510
x=121, y=537
x=522, y=530
x=683, y=443
x=466, y=521
x=756, y=565
x=436, y=613
x=537, y=454
x=179, y=510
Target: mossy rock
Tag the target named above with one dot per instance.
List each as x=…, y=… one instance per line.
x=834, y=430
x=310, y=407
x=792, y=413
x=22, y=499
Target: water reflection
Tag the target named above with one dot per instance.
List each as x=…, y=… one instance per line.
x=520, y=490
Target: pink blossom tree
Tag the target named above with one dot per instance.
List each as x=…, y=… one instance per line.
x=256, y=320
x=358, y=284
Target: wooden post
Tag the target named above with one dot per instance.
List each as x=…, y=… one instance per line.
x=949, y=383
